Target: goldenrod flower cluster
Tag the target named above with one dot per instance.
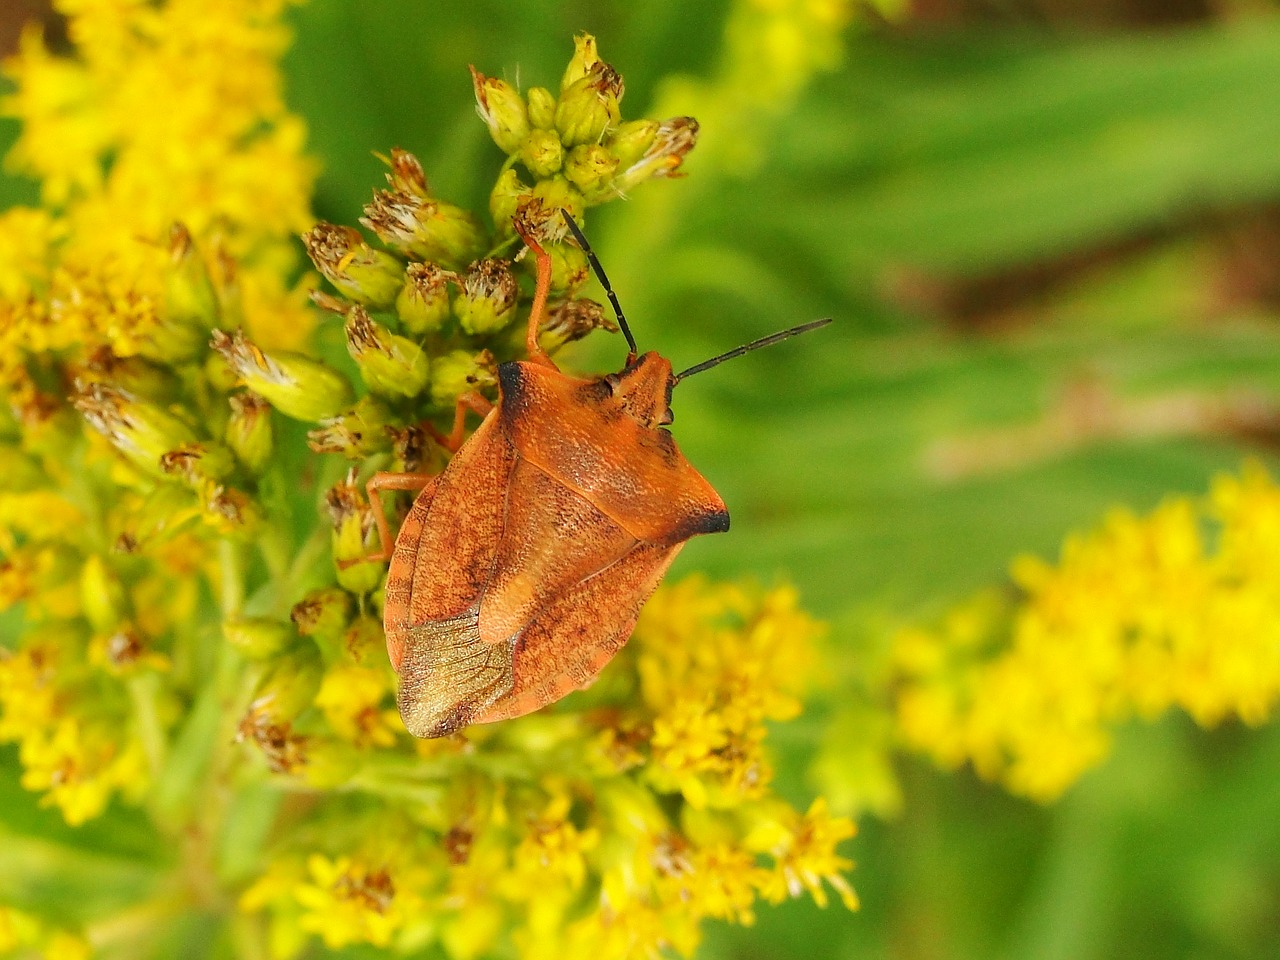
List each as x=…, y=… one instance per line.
x=1180, y=608
x=191, y=623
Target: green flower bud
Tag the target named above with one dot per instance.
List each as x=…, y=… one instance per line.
x=364, y=640
x=323, y=613
x=423, y=304
x=458, y=372
x=571, y=320
x=556, y=194
x=102, y=595
x=198, y=462
x=542, y=108
x=424, y=228
x=188, y=292
x=588, y=108
x=354, y=538
x=630, y=141
x=249, y=432
x=141, y=431
x=585, y=56
x=258, y=638
x=569, y=268
x=664, y=155
x=297, y=386
x=289, y=684
x=228, y=510
x=356, y=434
x=590, y=168
x=486, y=300
x=542, y=153
x=390, y=365
x=137, y=375
x=505, y=199
x=220, y=376
x=356, y=269
x=284, y=750
x=167, y=511
x=413, y=450
x=502, y=109
x=406, y=174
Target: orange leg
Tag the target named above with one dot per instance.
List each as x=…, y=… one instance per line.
x=416, y=481
x=537, y=312
x=467, y=401
x=389, y=481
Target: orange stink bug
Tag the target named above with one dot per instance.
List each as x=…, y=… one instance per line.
x=521, y=568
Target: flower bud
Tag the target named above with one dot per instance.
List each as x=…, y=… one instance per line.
x=258, y=638
x=297, y=386
x=365, y=641
x=542, y=108
x=366, y=275
x=249, y=432
x=486, y=300
x=228, y=510
x=389, y=364
x=102, y=595
x=663, y=157
x=413, y=450
x=572, y=320
x=505, y=199
x=289, y=684
x=590, y=168
x=356, y=434
x=323, y=613
x=630, y=141
x=502, y=109
x=189, y=296
x=588, y=108
x=284, y=750
x=569, y=268
x=354, y=537
x=585, y=56
x=423, y=304
x=542, y=153
x=136, y=375
x=197, y=462
x=460, y=371
x=167, y=511
x=424, y=228
x=219, y=374
x=406, y=174
x=141, y=431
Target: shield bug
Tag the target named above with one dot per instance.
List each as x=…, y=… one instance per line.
x=521, y=568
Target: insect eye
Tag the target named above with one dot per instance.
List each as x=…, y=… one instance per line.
x=668, y=418
x=611, y=381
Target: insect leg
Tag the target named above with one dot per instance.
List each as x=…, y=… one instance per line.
x=467, y=401
x=537, y=312
x=389, y=481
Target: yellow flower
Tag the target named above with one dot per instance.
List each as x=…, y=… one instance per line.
x=352, y=699
x=1178, y=608
x=349, y=902
x=804, y=851
x=79, y=768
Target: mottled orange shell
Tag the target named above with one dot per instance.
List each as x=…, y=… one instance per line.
x=520, y=570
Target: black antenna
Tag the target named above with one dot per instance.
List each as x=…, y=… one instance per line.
x=748, y=347
x=604, y=282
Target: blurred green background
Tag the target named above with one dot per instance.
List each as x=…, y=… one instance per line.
x=1049, y=234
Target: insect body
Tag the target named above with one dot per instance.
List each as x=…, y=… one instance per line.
x=521, y=569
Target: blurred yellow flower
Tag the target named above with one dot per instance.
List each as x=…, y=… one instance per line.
x=1178, y=608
